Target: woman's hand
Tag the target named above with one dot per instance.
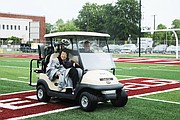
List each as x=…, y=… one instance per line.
x=75, y=64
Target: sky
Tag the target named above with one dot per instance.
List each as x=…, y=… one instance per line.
x=165, y=11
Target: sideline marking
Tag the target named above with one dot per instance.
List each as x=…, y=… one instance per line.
x=147, y=68
x=20, y=55
x=23, y=77
x=18, y=92
x=45, y=113
x=128, y=76
x=14, y=67
x=152, y=93
x=157, y=100
x=6, y=79
x=148, y=61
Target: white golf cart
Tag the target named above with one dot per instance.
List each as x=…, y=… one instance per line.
x=98, y=82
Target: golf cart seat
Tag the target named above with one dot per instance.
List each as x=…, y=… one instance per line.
x=54, y=55
x=71, y=57
x=53, y=85
x=45, y=50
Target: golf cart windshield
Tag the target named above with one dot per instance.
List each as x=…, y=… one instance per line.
x=89, y=47
x=93, y=61
x=92, y=54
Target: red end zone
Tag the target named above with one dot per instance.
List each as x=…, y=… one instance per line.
x=20, y=55
x=149, y=61
x=139, y=86
x=24, y=104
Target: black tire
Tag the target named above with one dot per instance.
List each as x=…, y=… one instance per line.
x=88, y=102
x=42, y=94
x=121, y=100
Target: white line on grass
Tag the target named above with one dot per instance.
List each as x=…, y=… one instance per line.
x=6, y=79
x=18, y=92
x=151, y=93
x=157, y=100
x=49, y=112
x=167, y=70
x=127, y=76
x=136, y=77
x=19, y=61
x=23, y=77
x=14, y=67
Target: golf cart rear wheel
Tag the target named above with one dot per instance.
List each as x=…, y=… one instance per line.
x=121, y=100
x=42, y=94
x=88, y=101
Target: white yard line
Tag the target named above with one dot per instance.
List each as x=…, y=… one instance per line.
x=142, y=60
x=148, y=68
x=135, y=77
x=156, y=61
x=6, y=79
x=14, y=67
x=157, y=100
x=169, y=62
x=18, y=92
x=19, y=61
x=23, y=77
x=169, y=90
x=128, y=76
x=44, y=113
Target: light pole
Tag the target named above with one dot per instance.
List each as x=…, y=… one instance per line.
x=154, y=26
x=154, y=22
x=139, y=28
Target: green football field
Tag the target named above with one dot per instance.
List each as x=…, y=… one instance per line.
x=14, y=77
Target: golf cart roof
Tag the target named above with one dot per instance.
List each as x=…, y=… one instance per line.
x=76, y=34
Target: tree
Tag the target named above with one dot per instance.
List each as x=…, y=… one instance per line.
x=125, y=19
x=60, y=26
x=176, y=24
x=163, y=37
x=159, y=36
x=147, y=34
x=15, y=40
x=120, y=20
x=68, y=26
x=91, y=18
x=48, y=27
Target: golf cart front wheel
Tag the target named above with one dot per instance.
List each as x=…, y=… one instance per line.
x=42, y=94
x=88, y=102
x=121, y=99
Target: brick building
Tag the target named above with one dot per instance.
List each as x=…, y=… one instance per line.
x=26, y=27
